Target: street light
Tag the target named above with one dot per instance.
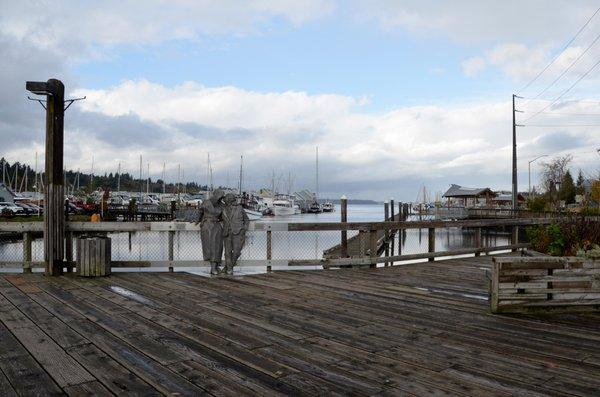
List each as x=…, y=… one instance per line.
x=529, y=167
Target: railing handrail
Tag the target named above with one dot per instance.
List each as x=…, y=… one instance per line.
x=279, y=226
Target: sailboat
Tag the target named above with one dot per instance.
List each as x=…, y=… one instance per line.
x=252, y=213
x=315, y=207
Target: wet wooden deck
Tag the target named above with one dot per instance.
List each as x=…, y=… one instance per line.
x=421, y=329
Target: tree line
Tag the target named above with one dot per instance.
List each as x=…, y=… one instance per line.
x=21, y=177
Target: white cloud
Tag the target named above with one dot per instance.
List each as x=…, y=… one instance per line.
x=279, y=130
x=73, y=28
x=472, y=66
x=466, y=21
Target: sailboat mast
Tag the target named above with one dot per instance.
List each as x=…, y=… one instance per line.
x=317, y=169
x=119, y=177
x=163, y=177
x=141, y=180
x=148, y=181
x=241, y=172
x=178, y=182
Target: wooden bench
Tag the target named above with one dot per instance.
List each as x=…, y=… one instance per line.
x=544, y=284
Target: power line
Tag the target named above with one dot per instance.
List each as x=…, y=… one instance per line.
x=564, y=92
x=560, y=53
x=565, y=71
x=560, y=125
x=567, y=114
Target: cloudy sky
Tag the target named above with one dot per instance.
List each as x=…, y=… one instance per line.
x=395, y=94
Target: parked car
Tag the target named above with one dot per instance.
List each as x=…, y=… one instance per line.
x=28, y=210
x=11, y=208
x=73, y=209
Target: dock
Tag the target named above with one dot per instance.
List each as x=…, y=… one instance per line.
x=421, y=329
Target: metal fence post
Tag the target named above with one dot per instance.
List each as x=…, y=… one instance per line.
x=431, y=242
x=269, y=249
x=171, y=249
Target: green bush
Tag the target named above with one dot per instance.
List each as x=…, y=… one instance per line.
x=565, y=238
x=537, y=204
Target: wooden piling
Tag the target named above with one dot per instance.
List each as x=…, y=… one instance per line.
x=344, y=233
x=478, y=240
x=27, y=252
x=431, y=244
x=269, y=249
x=386, y=233
x=54, y=193
x=393, y=217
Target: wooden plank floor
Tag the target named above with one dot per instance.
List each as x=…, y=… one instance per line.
x=422, y=329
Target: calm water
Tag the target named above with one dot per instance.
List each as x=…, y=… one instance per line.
x=285, y=245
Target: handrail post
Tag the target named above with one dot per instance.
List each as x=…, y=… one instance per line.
x=344, y=219
x=171, y=249
x=373, y=247
x=478, y=241
x=269, y=249
x=514, y=237
x=26, y=252
x=386, y=232
x=431, y=239
x=392, y=232
x=69, y=251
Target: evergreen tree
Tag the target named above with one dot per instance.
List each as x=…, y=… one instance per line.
x=580, y=188
x=567, y=189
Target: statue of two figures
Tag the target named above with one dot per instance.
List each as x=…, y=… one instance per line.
x=223, y=225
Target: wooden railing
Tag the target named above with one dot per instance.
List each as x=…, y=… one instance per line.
x=543, y=284
x=374, y=251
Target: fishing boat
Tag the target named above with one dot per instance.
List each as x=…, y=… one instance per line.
x=283, y=207
x=328, y=207
x=314, y=208
x=253, y=215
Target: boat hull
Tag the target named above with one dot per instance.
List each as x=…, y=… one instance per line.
x=283, y=211
x=253, y=215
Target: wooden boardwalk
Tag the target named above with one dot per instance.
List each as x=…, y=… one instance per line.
x=422, y=329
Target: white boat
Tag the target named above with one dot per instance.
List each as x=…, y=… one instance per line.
x=283, y=208
x=328, y=207
x=253, y=215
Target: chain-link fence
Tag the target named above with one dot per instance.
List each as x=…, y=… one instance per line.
x=268, y=244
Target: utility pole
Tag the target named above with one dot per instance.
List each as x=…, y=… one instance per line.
x=163, y=176
x=141, y=180
x=515, y=191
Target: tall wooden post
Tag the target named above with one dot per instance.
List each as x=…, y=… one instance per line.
x=431, y=242
x=344, y=233
x=386, y=232
x=478, y=240
x=54, y=192
x=514, y=237
x=392, y=232
x=269, y=248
